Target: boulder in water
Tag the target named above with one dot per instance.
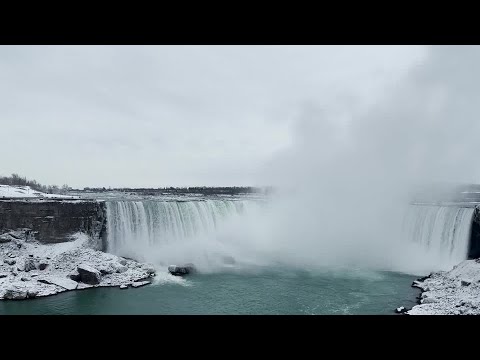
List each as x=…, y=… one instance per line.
x=181, y=270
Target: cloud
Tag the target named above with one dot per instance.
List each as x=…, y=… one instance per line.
x=171, y=115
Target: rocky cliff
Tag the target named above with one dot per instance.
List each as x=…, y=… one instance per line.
x=53, y=221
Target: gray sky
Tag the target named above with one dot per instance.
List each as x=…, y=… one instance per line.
x=175, y=115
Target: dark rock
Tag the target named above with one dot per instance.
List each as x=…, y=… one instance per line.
x=9, y=261
x=3, y=275
x=181, y=270
x=24, y=279
x=5, y=238
x=32, y=294
x=75, y=277
x=42, y=265
x=465, y=282
x=88, y=274
x=31, y=255
x=30, y=265
x=15, y=294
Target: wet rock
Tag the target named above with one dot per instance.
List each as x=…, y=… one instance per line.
x=88, y=274
x=32, y=294
x=14, y=293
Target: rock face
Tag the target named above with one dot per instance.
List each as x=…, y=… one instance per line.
x=88, y=274
x=53, y=221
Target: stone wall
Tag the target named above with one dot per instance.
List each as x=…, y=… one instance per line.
x=54, y=220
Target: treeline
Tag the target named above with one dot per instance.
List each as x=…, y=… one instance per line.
x=205, y=190
x=16, y=179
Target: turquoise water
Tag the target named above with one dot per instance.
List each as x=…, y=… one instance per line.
x=274, y=292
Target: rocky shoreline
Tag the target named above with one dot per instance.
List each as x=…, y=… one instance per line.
x=454, y=292
x=30, y=269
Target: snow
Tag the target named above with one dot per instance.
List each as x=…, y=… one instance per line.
x=455, y=292
x=14, y=191
x=63, y=259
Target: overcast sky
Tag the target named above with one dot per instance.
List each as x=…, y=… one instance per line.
x=174, y=115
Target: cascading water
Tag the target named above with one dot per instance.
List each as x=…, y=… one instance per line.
x=168, y=231
x=443, y=232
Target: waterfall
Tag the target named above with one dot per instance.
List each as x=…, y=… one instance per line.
x=441, y=231
x=140, y=228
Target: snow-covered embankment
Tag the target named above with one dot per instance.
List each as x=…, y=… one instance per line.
x=455, y=292
x=30, y=269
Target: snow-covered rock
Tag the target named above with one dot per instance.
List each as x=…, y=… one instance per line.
x=14, y=293
x=14, y=191
x=454, y=292
x=9, y=261
x=89, y=275
x=63, y=261
x=67, y=284
x=123, y=286
x=29, y=264
x=140, y=283
x=121, y=269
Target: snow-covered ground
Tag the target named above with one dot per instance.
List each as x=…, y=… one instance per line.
x=11, y=191
x=30, y=269
x=456, y=292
